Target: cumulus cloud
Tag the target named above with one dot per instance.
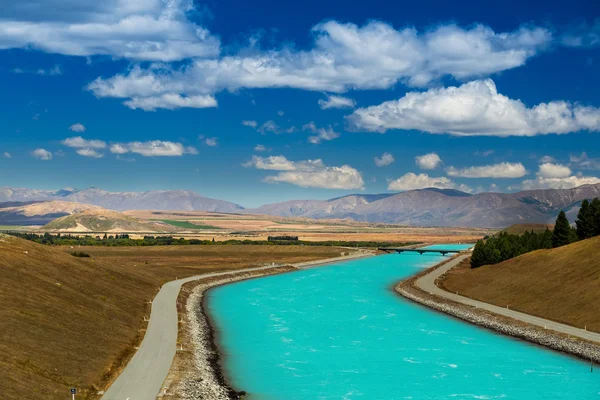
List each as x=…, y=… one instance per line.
x=343, y=57
x=501, y=170
x=170, y=101
x=272, y=127
x=90, y=153
x=321, y=134
x=153, y=148
x=582, y=161
x=412, y=181
x=385, y=159
x=428, y=161
x=333, y=101
x=251, y=124
x=145, y=30
x=547, y=159
x=559, y=183
x=78, y=142
x=42, y=154
x=309, y=173
x=6, y=154
x=549, y=170
x=211, y=142
x=54, y=71
x=77, y=127
x=261, y=148
x=474, y=109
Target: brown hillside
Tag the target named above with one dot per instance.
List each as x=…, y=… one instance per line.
x=560, y=284
x=62, y=319
x=67, y=321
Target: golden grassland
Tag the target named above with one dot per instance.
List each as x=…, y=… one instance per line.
x=259, y=227
x=73, y=322
x=561, y=284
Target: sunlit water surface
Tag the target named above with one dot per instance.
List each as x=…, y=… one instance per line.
x=340, y=332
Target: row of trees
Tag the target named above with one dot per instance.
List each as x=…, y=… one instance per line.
x=125, y=240
x=505, y=246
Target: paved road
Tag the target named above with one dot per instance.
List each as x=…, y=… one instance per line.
x=427, y=283
x=144, y=375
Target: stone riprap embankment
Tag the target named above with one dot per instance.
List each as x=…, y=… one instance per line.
x=204, y=379
x=558, y=341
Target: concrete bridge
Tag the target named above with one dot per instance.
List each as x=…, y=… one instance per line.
x=420, y=251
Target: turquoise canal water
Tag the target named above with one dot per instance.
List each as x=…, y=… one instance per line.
x=340, y=332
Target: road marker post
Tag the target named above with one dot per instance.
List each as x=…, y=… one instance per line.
x=73, y=393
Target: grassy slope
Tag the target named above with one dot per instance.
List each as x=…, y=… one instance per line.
x=187, y=224
x=561, y=284
x=64, y=320
x=103, y=221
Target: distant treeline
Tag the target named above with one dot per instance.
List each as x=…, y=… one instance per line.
x=125, y=240
x=493, y=250
x=282, y=238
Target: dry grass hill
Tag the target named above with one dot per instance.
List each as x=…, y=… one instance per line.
x=40, y=213
x=63, y=319
x=70, y=322
x=561, y=284
x=101, y=220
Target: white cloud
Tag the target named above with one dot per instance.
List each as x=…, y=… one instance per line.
x=77, y=127
x=333, y=101
x=275, y=163
x=484, y=153
x=412, y=181
x=280, y=113
x=549, y=170
x=154, y=148
x=50, y=72
x=119, y=148
x=344, y=57
x=385, y=159
x=171, y=101
x=321, y=133
x=261, y=148
x=475, y=109
x=251, y=124
x=547, y=159
x=428, y=161
x=78, y=142
x=90, y=153
x=309, y=173
x=42, y=154
x=156, y=30
x=269, y=126
x=502, y=170
x=6, y=154
x=582, y=161
x=211, y=142
x=559, y=183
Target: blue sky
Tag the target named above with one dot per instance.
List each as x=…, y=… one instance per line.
x=258, y=102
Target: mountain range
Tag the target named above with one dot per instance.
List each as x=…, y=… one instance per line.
x=122, y=201
x=423, y=207
x=443, y=207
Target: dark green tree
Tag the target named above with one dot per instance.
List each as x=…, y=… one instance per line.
x=595, y=213
x=585, y=221
x=562, y=231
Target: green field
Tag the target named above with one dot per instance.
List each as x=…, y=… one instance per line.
x=187, y=225
x=15, y=228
